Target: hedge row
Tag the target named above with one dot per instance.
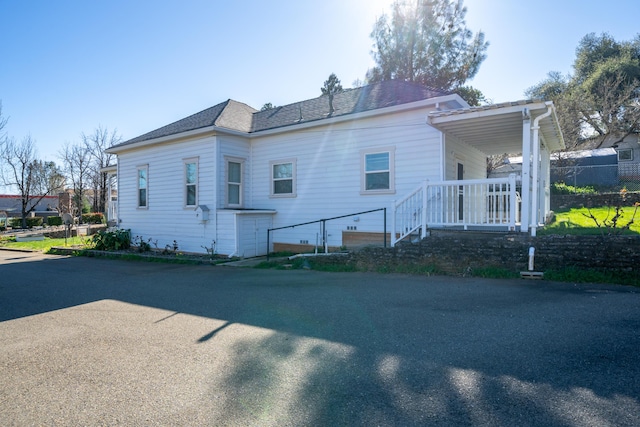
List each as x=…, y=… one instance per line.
x=54, y=220
x=91, y=218
x=31, y=222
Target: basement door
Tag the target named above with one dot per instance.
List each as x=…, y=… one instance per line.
x=252, y=231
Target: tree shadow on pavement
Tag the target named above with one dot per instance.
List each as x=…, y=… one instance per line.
x=309, y=348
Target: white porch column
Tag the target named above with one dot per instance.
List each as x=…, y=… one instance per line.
x=112, y=205
x=535, y=180
x=537, y=143
x=525, y=213
x=423, y=220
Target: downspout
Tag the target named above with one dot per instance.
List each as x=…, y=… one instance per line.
x=536, y=166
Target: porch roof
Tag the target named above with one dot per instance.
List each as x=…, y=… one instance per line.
x=497, y=128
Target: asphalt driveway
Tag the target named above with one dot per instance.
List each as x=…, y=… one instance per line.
x=105, y=342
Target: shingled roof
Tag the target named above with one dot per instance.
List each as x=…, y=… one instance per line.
x=243, y=118
x=229, y=114
x=366, y=98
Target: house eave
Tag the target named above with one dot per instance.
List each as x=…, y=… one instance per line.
x=497, y=129
x=192, y=134
x=109, y=169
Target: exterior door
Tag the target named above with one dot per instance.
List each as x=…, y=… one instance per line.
x=253, y=235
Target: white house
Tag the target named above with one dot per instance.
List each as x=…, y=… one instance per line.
x=228, y=174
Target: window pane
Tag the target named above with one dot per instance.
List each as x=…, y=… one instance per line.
x=142, y=197
x=142, y=178
x=625, y=155
x=234, y=194
x=284, y=186
x=284, y=170
x=191, y=195
x=377, y=162
x=378, y=181
x=234, y=172
x=191, y=173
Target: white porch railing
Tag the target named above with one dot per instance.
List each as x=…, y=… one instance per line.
x=112, y=209
x=112, y=197
x=477, y=202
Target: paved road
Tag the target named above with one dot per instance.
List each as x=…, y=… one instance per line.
x=104, y=342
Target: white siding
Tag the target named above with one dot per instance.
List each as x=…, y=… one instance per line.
x=166, y=219
x=239, y=148
x=227, y=233
x=328, y=181
x=474, y=161
x=328, y=161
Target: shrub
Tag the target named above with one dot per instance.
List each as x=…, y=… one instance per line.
x=112, y=240
x=93, y=218
x=613, y=222
x=54, y=220
x=141, y=244
x=562, y=188
x=31, y=222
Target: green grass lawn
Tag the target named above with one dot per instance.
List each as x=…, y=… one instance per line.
x=43, y=245
x=576, y=221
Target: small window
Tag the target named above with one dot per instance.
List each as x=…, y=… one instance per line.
x=377, y=171
x=234, y=183
x=625, y=155
x=283, y=178
x=191, y=182
x=143, y=186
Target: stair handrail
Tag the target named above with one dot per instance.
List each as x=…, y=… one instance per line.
x=323, y=221
x=422, y=188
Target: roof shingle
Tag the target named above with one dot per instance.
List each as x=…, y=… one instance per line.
x=241, y=117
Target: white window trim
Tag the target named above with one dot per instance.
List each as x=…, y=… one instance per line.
x=184, y=181
x=625, y=150
x=294, y=173
x=228, y=160
x=138, y=169
x=363, y=170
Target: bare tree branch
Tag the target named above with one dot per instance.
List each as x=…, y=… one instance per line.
x=96, y=144
x=77, y=163
x=33, y=178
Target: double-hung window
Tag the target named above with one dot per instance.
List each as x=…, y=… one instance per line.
x=143, y=186
x=625, y=155
x=234, y=182
x=283, y=178
x=191, y=182
x=377, y=171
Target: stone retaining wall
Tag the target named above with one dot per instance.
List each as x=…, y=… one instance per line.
x=463, y=252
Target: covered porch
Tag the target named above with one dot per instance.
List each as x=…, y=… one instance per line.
x=517, y=203
x=111, y=208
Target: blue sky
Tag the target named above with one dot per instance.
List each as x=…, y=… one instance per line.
x=67, y=67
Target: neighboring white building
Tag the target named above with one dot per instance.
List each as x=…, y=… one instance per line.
x=229, y=173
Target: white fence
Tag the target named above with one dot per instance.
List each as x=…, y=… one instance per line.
x=478, y=203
